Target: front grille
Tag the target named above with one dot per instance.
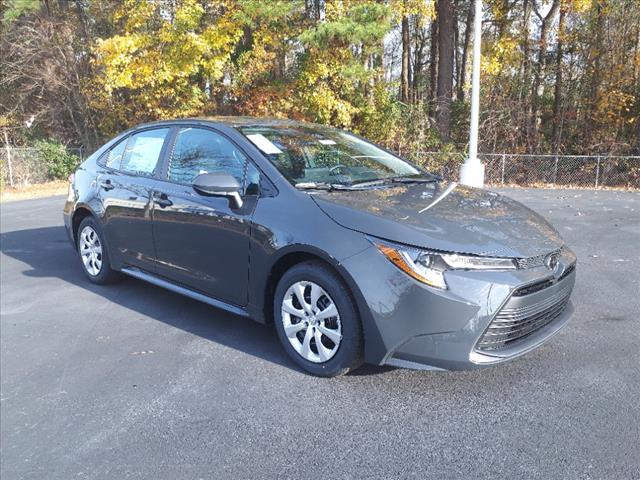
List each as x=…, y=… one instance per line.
x=542, y=284
x=537, y=261
x=513, y=324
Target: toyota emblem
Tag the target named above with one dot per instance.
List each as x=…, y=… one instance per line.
x=551, y=262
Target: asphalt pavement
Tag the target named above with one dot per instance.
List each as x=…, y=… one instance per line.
x=131, y=381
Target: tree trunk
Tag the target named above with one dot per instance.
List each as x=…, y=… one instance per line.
x=456, y=42
x=596, y=77
x=465, y=52
x=418, y=63
x=433, y=67
x=445, y=68
x=538, y=80
x=315, y=9
x=557, y=100
x=526, y=72
x=405, y=77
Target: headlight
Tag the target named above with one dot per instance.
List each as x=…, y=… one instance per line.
x=429, y=267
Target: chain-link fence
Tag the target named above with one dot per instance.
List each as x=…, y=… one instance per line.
x=598, y=171
x=27, y=165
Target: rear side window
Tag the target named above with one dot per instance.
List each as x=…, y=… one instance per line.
x=198, y=151
x=143, y=151
x=252, y=186
x=114, y=156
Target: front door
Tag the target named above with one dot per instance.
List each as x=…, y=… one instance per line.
x=203, y=242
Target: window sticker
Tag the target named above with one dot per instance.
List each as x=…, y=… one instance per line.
x=264, y=144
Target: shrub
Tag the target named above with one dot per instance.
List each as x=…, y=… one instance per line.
x=55, y=158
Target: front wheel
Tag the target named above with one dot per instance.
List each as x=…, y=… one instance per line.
x=317, y=320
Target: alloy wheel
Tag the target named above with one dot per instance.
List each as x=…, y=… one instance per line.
x=91, y=251
x=311, y=321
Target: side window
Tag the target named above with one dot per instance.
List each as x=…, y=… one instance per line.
x=114, y=156
x=198, y=151
x=143, y=150
x=253, y=180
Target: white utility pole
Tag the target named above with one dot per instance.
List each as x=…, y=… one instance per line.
x=472, y=171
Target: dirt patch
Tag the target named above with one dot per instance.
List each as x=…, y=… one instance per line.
x=9, y=194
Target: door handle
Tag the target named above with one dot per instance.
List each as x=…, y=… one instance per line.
x=162, y=200
x=107, y=185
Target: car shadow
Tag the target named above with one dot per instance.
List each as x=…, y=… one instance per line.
x=48, y=253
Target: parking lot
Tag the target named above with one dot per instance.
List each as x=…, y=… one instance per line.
x=131, y=381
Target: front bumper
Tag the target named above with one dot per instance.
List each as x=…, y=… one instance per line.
x=67, y=216
x=408, y=324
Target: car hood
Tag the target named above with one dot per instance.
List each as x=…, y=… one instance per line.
x=443, y=216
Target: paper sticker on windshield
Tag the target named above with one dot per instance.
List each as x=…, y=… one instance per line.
x=326, y=141
x=264, y=144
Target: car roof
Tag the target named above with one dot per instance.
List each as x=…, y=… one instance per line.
x=233, y=121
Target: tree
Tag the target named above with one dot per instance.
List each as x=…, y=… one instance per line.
x=333, y=76
x=557, y=101
x=445, y=67
x=557, y=75
x=163, y=58
x=405, y=76
x=540, y=71
x=44, y=71
x=433, y=67
x=462, y=76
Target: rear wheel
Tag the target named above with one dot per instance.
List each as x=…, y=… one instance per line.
x=317, y=320
x=93, y=253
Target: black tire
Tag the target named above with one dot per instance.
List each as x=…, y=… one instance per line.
x=106, y=274
x=348, y=355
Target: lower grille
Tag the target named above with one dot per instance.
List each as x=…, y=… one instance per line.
x=513, y=324
x=567, y=271
x=533, y=288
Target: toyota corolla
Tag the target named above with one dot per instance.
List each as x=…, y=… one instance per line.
x=352, y=253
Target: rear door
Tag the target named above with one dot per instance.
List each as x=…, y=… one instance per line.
x=125, y=187
x=201, y=241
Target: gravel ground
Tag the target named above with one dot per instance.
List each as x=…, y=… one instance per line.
x=131, y=381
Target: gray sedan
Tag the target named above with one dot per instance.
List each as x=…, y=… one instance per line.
x=352, y=253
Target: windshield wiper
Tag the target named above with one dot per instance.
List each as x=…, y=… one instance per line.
x=364, y=185
x=426, y=178
x=430, y=179
x=322, y=186
x=368, y=183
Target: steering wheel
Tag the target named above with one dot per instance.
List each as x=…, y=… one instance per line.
x=333, y=170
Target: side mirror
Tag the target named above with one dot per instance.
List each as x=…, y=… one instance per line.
x=218, y=185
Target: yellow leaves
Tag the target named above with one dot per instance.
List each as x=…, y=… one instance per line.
x=424, y=9
x=134, y=13
x=188, y=16
x=117, y=55
x=577, y=6
x=5, y=120
x=503, y=53
x=327, y=107
x=326, y=95
x=159, y=58
x=615, y=105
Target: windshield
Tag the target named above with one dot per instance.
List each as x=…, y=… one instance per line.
x=322, y=155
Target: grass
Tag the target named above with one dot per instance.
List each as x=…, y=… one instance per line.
x=24, y=192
